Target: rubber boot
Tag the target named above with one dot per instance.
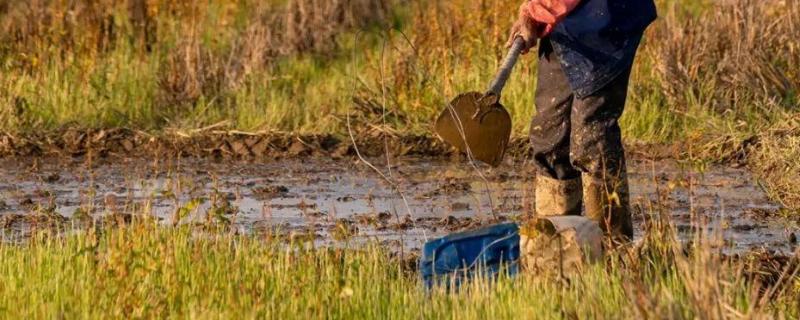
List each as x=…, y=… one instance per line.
x=559, y=240
x=607, y=202
x=560, y=245
x=558, y=197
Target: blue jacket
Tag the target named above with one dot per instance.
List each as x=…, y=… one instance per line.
x=599, y=39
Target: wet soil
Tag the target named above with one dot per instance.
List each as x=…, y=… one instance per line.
x=244, y=145
x=328, y=200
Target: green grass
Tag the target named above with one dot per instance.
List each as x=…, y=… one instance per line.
x=145, y=271
x=219, y=71
x=193, y=79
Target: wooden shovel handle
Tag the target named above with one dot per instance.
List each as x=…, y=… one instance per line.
x=504, y=73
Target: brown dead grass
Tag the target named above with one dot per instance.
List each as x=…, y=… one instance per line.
x=740, y=57
x=730, y=76
x=776, y=160
x=209, y=47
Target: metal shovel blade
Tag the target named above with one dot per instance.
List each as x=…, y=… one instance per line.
x=477, y=125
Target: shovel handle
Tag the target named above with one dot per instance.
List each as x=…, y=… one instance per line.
x=501, y=78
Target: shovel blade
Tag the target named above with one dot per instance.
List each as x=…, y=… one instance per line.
x=484, y=137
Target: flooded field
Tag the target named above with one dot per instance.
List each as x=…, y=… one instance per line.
x=328, y=200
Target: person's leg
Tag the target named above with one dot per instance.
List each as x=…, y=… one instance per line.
x=596, y=150
x=558, y=186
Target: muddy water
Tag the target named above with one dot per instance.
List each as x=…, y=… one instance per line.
x=329, y=200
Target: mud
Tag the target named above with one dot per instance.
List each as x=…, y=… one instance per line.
x=209, y=143
x=327, y=200
x=244, y=145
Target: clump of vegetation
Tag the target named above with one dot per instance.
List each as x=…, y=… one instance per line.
x=144, y=270
x=159, y=64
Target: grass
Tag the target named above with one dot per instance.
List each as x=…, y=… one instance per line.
x=704, y=68
x=144, y=270
x=291, y=66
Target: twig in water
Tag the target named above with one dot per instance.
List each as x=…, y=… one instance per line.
x=461, y=132
x=361, y=157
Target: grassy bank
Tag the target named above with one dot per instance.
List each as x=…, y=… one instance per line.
x=707, y=67
x=145, y=271
x=719, y=76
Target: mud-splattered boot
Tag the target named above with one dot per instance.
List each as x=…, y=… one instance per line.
x=560, y=245
x=559, y=241
x=607, y=202
x=558, y=197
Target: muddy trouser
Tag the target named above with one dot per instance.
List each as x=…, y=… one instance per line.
x=573, y=138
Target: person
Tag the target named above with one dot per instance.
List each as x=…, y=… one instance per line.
x=586, y=50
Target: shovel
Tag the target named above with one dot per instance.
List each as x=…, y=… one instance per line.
x=476, y=123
